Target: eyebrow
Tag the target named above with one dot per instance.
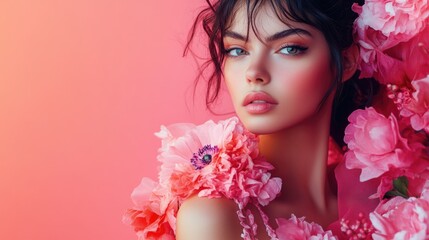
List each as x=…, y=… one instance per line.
x=274, y=37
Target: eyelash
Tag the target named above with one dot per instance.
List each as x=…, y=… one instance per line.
x=300, y=49
x=228, y=52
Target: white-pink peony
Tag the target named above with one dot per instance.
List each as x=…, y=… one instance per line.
x=400, y=218
x=381, y=26
x=375, y=144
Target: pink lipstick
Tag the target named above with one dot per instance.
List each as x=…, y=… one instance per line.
x=259, y=102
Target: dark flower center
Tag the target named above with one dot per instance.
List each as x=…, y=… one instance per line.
x=207, y=158
x=204, y=156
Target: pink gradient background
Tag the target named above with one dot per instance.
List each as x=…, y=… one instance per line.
x=84, y=84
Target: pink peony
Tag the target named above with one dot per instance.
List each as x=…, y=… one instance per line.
x=400, y=218
x=148, y=225
x=375, y=144
x=153, y=213
x=298, y=229
x=376, y=62
x=398, y=21
x=417, y=108
x=380, y=27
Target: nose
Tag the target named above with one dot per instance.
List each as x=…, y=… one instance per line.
x=257, y=72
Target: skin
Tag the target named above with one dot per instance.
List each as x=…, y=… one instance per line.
x=295, y=70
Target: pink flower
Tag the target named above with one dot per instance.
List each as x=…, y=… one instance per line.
x=417, y=108
x=233, y=169
x=375, y=144
x=382, y=25
x=376, y=61
x=211, y=160
x=400, y=218
x=298, y=229
x=399, y=21
x=148, y=225
x=153, y=213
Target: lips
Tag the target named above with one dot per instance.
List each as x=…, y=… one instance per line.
x=259, y=102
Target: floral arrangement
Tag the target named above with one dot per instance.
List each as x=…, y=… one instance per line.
x=213, y=160
x=209, y=160
x=387, y=146
x=388, y=142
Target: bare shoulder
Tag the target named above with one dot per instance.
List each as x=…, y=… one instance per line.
x=209, y=219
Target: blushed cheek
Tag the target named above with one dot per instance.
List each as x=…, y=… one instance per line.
x=316, y=79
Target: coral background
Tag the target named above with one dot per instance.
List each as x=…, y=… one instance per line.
x=84, y=84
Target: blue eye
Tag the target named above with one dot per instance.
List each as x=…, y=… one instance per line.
x=293, y=50
x=235, y=52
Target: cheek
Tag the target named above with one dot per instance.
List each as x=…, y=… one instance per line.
x=309, y=80
x=316, y=81
x=233, y=81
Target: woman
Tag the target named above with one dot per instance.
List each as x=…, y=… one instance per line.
x=285, y=64
x=282, y=76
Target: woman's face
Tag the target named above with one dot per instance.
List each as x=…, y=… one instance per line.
x=278, y=80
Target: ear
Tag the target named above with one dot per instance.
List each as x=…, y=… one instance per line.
x=350, y=61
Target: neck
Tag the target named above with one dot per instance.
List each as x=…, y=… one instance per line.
x=299, y=155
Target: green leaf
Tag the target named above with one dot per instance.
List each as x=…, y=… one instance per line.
x=401, y=185
x=400, y=188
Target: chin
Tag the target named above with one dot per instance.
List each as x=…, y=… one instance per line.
x=259, y=126
x=258, y=130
